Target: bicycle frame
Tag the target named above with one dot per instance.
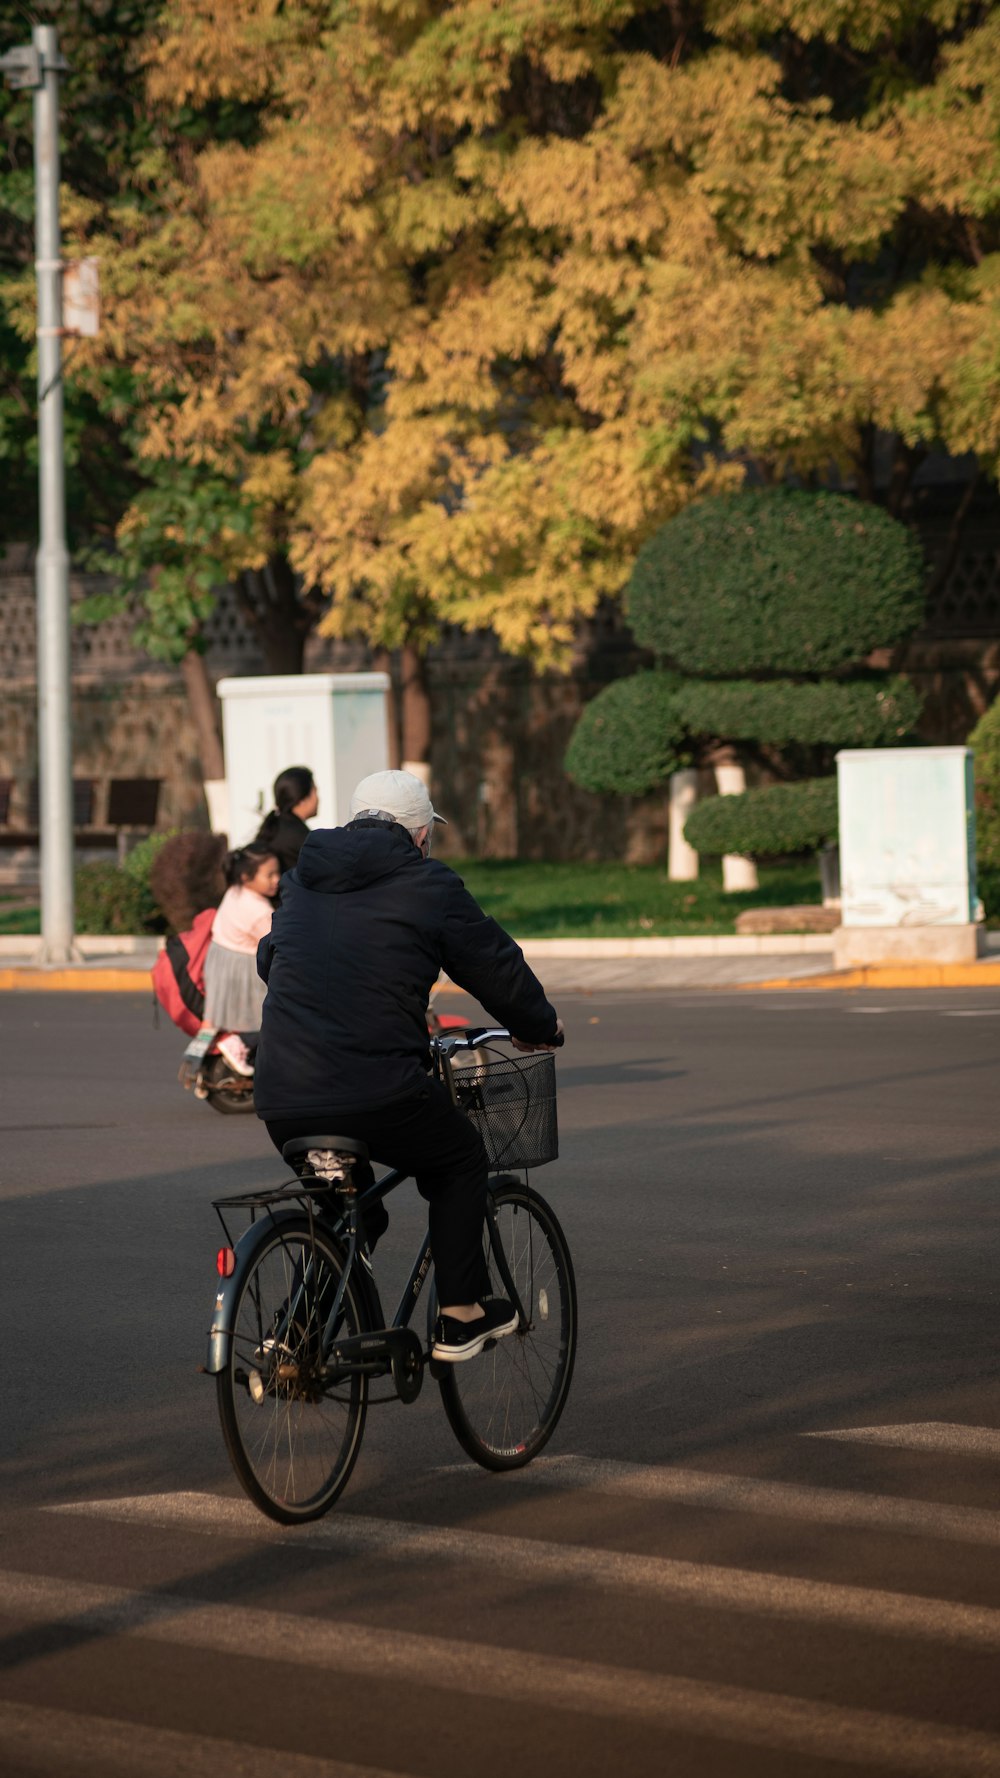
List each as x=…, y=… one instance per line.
x=382, y=1341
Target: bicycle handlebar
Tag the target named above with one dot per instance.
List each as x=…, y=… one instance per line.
x=470, y=1040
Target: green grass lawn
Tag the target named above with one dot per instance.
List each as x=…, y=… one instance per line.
x=17, y=916
x=588, y=900
x=621, y=900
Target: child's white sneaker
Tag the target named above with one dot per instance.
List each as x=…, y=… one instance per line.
x=236, y=1053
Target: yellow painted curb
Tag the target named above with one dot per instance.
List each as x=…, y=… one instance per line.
x=895, y=975
x=90, y=981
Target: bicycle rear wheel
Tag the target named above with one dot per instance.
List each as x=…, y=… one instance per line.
x=504, y=1405
x=292, y=1445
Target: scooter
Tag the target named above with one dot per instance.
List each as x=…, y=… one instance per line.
x=207, y=1074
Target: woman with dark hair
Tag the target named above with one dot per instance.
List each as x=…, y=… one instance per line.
x=284, y=830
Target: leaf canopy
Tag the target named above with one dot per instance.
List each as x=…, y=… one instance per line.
x=503, y=288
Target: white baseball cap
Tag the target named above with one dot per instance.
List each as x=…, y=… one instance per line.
x=399, y=794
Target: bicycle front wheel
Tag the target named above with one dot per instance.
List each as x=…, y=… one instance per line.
x=292, y=1444
x=503, y=1406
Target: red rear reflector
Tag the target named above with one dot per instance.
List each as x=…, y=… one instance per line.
x=225, y=1262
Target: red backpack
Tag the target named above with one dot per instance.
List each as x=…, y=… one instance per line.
x=179, y=974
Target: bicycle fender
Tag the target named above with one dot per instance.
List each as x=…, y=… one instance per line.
x=220, y=1333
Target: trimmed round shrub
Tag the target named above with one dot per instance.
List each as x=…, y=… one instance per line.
x=775, y=581
x=985, y=742
x=841, y=713
x=186, y=876
x=777, y=818
x=628, y=738
x=109, y=900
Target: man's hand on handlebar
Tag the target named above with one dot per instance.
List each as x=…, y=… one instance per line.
x=556, y=1044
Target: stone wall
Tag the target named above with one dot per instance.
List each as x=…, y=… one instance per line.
x=499, y=736
x=121, y=729
x=958, y=679
x=499, y=733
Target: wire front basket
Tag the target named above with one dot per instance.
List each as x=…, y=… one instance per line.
x=512, y=1102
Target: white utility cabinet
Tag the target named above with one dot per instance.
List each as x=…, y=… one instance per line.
x=907, y=853
x=334, y=723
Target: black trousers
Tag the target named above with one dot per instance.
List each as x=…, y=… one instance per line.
x=428, y=1137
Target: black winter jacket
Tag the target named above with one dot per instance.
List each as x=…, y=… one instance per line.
x=365, y=925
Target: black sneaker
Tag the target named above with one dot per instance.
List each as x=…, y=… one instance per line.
x=457, y=1340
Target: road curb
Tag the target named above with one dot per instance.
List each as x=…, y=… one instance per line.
x=21, y=947
x=76, y=979
x=896, y=975
x=94, y=979
x=91, y=980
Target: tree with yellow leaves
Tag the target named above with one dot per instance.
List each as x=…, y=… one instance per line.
x=483, y=293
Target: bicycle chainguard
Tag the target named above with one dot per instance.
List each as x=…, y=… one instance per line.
x=395, y=1350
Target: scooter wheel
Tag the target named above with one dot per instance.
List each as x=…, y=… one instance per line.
x=226, y=1092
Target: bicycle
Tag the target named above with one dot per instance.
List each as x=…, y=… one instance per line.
x=299, y=1333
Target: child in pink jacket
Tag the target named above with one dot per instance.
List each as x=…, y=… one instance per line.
x=234, y=992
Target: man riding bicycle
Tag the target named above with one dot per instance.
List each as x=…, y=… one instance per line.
x=367, y=922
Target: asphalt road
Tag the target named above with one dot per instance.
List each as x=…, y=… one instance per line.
x=765, y=1539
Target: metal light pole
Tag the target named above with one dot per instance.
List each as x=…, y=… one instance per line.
x=38, y=67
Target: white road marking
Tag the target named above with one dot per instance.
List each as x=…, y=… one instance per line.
x=869, y=1010
x=43, y=1741
x=809, y=1728
x=742, y=1494
x=821, y=1002
x=978, y=1012
x=924, y=1435
x=698, y=1584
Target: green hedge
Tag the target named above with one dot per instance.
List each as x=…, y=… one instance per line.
x=985, y=740
x=117, y=898
x=629, y=738
x=851, y=713
x=110, y=900
x=776, y=819
x=775, y=581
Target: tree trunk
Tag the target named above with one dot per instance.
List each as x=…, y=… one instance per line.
x=283, y=649
x=737, y=872
x=416, y=713
x=682, y=859
x=279, y=612
x=497, y=835
x=382, y=663
x=203, y=707
x=204, y=716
